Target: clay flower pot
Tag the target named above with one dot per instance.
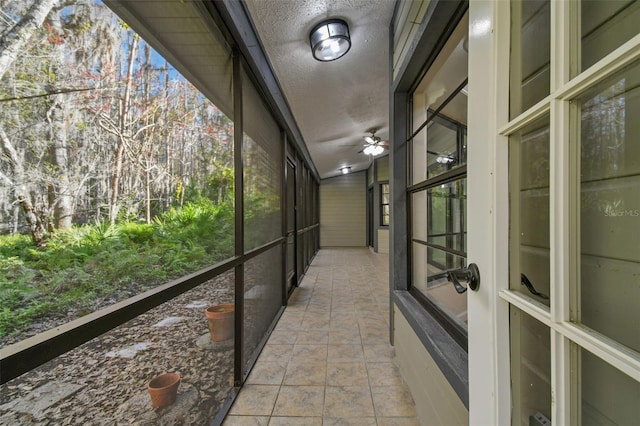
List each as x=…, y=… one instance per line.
x=163, y=389
x=221, y=321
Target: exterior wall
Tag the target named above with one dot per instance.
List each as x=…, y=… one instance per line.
x=436, y=401
x=408, y=18
x=343, y=202
x=382, y=169
x=383, y=241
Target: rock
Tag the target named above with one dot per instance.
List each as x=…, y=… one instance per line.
x=37, y=401
x=128, y=352
x=197, y=304
x=169, y=321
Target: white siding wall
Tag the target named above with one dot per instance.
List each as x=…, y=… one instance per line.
x=382, y=169
x=383, y=241
x=436, y=401
x=343, y=211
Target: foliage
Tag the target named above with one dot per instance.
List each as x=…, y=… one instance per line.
x=94, y=123
x=121, y=164
x=89, y=263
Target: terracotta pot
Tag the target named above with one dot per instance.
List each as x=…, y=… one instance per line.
x=163, y=389
x=221, y=321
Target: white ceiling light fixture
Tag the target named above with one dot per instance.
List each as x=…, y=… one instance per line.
x=345, y=170
x=330, y=40
x=373, y=150
x=445, y=159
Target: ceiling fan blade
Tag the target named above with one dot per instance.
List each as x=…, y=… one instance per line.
x=369, y=139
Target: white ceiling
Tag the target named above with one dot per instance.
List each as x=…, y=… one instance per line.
x=334, y=103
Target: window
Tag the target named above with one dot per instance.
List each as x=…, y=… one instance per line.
x=384, y=205
x=437, y=185
x=137, y=186
x=574, y=191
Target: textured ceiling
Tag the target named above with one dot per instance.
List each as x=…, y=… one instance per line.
x=334, y=103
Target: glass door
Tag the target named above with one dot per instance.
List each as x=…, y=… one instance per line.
x=562, y=165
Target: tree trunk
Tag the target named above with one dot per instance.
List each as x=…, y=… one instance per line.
x=15, y=39
x=123, y=113
x=146, y=144
x=61, y=187
x=16, y=218
x=147, y=192
x=36, y=226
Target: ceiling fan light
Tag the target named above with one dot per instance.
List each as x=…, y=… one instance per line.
x=377, y=150
x=345, y=170
x=373, y=150
x=444, y=159
x=330, y=40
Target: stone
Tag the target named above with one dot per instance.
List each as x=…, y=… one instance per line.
x=198, y=304
x=128, y=352
x=169, y=321
x=40, y=399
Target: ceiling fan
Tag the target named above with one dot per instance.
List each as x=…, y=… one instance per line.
x=374, y=145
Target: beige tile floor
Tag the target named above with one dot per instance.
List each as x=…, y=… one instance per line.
x=328, y=361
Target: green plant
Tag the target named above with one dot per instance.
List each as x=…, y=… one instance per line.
x=89, y=262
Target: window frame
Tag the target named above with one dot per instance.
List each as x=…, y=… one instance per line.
x=454, y=173
x=452, y=361
x=382, y=204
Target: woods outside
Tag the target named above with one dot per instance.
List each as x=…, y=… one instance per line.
x=116, y=174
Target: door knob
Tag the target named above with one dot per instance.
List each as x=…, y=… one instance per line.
x=469, y=274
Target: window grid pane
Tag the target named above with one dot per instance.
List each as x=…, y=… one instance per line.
x=530, y=368
x=530, y=54
x=529, y=209
x=604, y=26
x=610, y=207
x=608, y=397
x=439, y=245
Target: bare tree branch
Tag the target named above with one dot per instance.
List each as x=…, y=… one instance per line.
x=15, y=39
x=51, y=93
